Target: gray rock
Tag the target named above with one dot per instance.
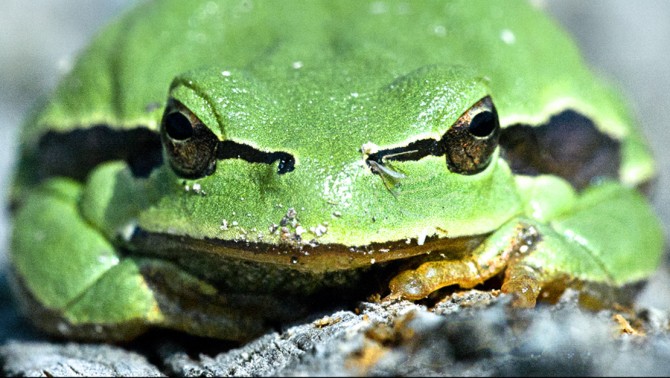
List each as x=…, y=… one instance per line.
x=468, y=333
x=72, y=359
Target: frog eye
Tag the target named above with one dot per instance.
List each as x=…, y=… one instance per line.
x=467, y=146
x=470, y=142
x=193, y=149
x=190, y=145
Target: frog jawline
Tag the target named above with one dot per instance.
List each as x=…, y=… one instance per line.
x=317, y=258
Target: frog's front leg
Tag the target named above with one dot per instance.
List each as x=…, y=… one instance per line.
x=74, y=282
x=70, y=277
x=597, y=239
x=504, y=247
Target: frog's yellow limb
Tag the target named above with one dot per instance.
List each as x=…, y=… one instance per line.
x=502, y=249
x=536, y=255
x=417, y=284
x=524, y=283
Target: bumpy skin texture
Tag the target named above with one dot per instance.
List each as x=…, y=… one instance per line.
x=318, y=80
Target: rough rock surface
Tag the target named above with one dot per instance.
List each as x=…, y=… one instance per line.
x=472, y=333
x=71, y=359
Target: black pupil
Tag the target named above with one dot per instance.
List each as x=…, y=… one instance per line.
x=178, y=126
x=483, y=124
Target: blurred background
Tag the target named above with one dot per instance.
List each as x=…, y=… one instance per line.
x=627, y=42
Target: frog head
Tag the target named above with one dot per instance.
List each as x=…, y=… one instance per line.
x=302, y=166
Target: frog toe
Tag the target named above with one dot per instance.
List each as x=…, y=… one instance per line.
x=434, y=275
x=523, y=283
x=408, y=285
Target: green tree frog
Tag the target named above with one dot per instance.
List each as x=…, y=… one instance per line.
x=221, y=167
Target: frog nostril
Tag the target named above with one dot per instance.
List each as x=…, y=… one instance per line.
x=178, y=126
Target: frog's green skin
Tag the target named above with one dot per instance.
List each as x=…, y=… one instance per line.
x=329, y=83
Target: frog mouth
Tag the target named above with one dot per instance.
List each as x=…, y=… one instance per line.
x=312, y=258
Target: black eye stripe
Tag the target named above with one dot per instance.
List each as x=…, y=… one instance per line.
x=467, y=145
x=568, y=145
x=229, y=149
x=414, y=151
x=193, y=149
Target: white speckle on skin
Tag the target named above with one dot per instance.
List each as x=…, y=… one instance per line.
x=378, y=7
x=126, y=231
x=108, y=260
x=337, y=189
x=369, y=148
x=507, y=36
x=537, y=210
x=319, y=230
x=440, y=30
x=422, y=237
x=570, y=234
